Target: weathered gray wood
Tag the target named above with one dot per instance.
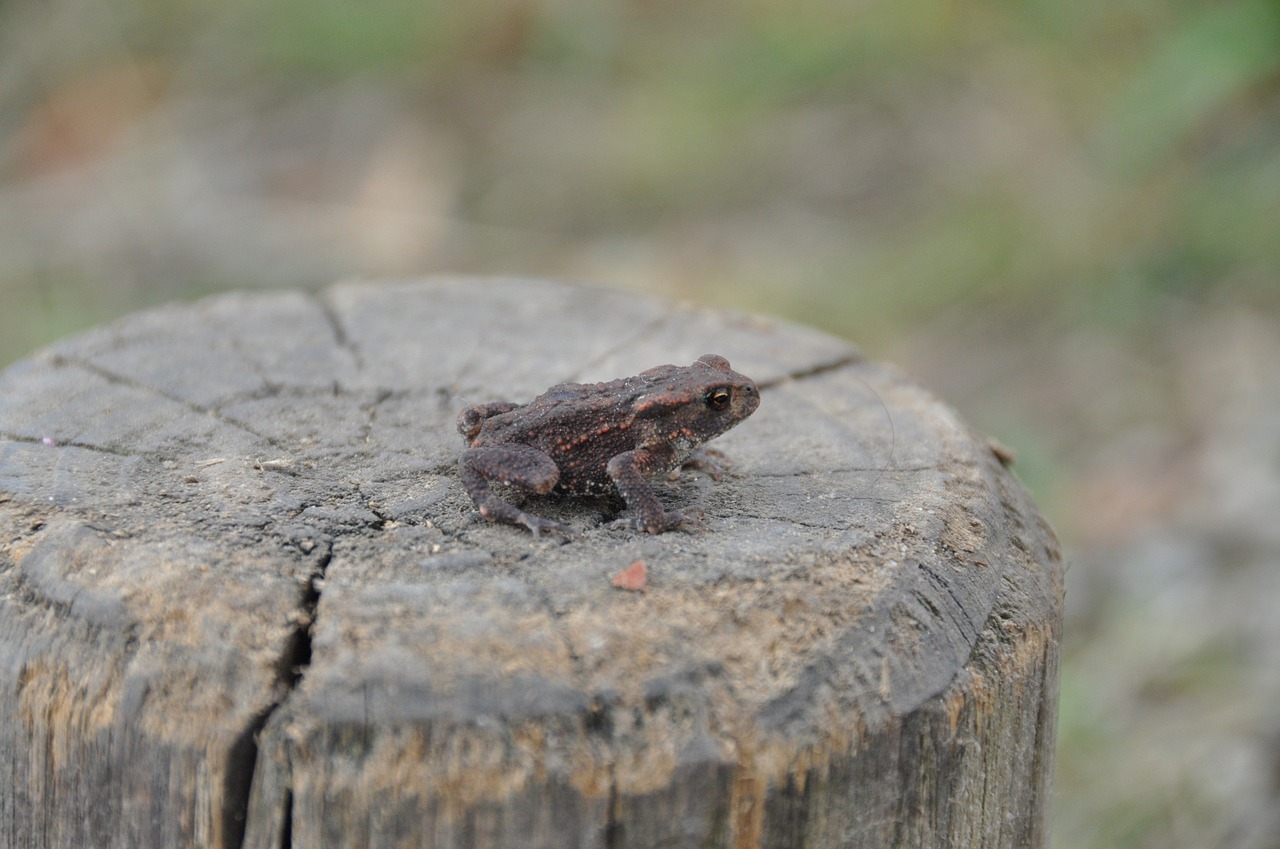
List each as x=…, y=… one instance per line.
x=244, y=600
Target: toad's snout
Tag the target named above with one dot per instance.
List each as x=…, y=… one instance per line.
x=748, y=398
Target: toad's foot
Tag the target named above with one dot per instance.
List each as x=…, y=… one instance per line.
x=707, y=460
x=667, y=520
x=537, y=525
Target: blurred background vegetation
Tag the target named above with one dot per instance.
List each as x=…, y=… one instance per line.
x=1064, y=217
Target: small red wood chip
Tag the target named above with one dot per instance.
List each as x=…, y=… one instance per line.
x=633, y=578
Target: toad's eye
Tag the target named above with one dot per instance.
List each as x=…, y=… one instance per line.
x=718, y=398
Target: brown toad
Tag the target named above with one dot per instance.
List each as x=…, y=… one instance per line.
x=591, y=439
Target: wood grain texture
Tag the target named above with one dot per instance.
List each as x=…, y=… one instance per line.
x=244, y=600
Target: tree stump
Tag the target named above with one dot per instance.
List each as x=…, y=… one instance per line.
x=244, y=600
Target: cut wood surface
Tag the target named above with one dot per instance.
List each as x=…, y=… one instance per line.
x=244, y=599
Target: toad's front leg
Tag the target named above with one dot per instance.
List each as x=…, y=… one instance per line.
x=521, y=466
x=472, y=418
x=628, y=471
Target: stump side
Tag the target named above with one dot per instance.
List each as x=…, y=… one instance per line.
x=244, y=601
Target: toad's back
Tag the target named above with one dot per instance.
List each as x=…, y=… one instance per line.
x=581, y=426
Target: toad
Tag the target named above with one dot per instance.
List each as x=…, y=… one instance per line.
x=595, y=439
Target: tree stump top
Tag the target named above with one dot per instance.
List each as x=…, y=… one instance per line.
x=237, y=558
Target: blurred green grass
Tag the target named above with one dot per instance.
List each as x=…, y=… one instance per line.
x=1025, y=175
x=1094, y=164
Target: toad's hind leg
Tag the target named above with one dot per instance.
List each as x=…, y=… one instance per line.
x=521, y=466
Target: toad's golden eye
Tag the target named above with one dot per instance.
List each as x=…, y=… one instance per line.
x=718, y=398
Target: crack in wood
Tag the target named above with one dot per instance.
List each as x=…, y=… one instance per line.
x=129, y=382
x=647, y=329
x=246, y=355
x=50, y=442
x=340, y=336
x=242, y=761
x=370, y=409
x=849, y=359
x=792, y=520
x=271, y=390
x=612, y=824
x=373, y=506
x=850, y=470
